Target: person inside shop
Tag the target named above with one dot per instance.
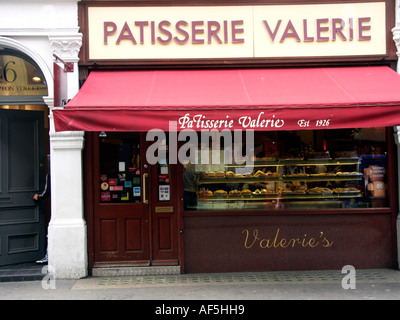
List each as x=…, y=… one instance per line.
x=39, y=197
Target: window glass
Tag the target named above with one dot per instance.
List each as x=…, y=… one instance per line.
x=321, y=169
x=120, y=168
x=19, y=77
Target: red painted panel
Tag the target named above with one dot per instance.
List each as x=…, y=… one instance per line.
x=260, y=243
x=133, y=235
x=108, y=235
x=164, y=227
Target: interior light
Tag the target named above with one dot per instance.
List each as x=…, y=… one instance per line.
x=36, y=76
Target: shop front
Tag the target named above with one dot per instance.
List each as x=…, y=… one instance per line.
x=253, y=139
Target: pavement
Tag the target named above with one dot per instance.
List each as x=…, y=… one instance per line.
x=370, y=284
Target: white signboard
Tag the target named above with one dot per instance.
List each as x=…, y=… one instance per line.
x=259, y=31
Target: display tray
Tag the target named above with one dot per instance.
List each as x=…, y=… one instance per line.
x=301, y=161
x=333, y=177
x=284, y=196
x=237, y=180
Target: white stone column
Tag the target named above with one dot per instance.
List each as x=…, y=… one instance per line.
x=67, y=232
x=67, y=243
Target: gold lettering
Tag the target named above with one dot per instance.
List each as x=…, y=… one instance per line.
x=266, y=245
x=293, y=241
x=313, y=243
x=247, y=237
x=281, y=242
x=327, y=244
x=276, y=237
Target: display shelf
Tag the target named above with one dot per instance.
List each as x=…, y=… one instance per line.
x=277, y=181
x=305, y=178
x=299, y=162
x=284, y=196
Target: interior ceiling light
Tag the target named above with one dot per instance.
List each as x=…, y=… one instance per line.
x=36, y=76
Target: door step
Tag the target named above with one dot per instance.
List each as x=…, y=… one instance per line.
x=135, y=271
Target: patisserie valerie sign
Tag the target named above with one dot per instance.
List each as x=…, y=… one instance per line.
x=200, y=121
x=253, y=122
x=259, y=31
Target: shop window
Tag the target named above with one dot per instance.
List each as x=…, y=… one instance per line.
x=120, y=168
x=322, y=169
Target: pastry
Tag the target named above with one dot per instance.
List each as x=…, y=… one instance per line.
x=230, y=174
x=220, y=193
x=272, y=174
x=220, y=174
x=259, y=173
x=210, y=174
x=234, y=193
x=350, y=189
x=319, y=190
x=207, y=192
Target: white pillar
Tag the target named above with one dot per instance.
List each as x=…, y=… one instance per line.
x=67, y=232
x=67, y=235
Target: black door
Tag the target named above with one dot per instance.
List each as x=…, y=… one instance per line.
x=22, y=224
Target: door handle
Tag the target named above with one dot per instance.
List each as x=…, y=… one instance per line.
x=144, y=177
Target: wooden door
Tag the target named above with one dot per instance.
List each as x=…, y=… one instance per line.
x=121, y=206
x=22, y=220
x=135, y=204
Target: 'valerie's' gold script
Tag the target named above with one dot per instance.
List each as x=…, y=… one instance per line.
x=254, y=239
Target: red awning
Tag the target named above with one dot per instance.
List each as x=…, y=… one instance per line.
x=259, y=99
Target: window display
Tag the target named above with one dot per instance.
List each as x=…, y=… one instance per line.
x=297, y=170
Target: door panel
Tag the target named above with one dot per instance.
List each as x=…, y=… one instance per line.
x=22, y=222
x=108, y=235
x=165, y=241
x=134, y=235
